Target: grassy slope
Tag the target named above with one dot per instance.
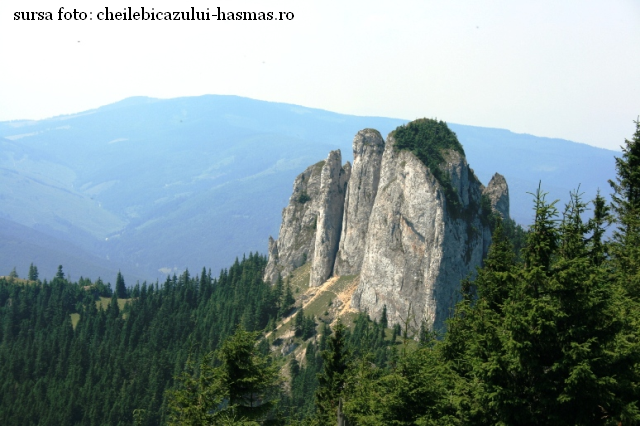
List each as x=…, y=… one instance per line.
x=327, y=303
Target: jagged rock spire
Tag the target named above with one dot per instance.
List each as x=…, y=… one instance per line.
x=330, y=211
x=368, y=147
x=498, y=193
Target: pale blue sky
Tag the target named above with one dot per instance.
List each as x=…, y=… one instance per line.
x=567, y=69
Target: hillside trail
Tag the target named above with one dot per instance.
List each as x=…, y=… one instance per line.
x=320, y=290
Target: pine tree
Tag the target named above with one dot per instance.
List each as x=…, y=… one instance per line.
x=331, y=382
x=541, y=343
x=33, y=272
x=298, y=322
x=384, y=322
x=246, y=380
x=199, y=394
x=287, y=299
x=626, y=207
x=60, y=273
x=121, y=289
x=249, y=378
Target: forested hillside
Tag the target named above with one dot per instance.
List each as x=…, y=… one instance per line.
x=100, y=367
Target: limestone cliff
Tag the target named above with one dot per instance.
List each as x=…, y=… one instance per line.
x=368, y=147
x=330, y=211
x=297, y=237
x=311, y=222
x=408, y=217
x=418, y=248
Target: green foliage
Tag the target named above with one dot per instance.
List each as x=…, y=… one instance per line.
x=60, y=273
x=288, y=300
x=626, y=208
x=414, y=392
x=121, y=289
x=115, y=362
x=304, y=326
x=240, y=390
x=542, y=339
x=198, y=395
x=336, y=361
x=303, y=197
x=33, y=272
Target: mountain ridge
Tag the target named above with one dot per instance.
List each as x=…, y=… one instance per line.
x=177, y=175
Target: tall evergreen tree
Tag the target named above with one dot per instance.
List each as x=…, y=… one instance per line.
x=33, y=272
x=60, y=273
x=626, y=207
x=331, y=382
x=242, y=389
x=121, y=289
x=541, y=343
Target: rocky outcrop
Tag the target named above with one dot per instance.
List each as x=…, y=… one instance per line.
x=368, y=147
x=498, y=193
x=297, y=237
x=417, y=249
x=330, y=211
x=312, y=221
x=408, y=217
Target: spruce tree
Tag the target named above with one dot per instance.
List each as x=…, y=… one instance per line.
x=541, y=344
x=287, y=299
x=33, y=272
x=331, y=382
x=299, y=322
x=60, y=273
x=626, y=208
x=384, y=322
x=241, y=389
x=121, y=289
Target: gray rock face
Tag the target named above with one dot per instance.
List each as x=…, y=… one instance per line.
x=368, y=147
x=333, y=185
x=416, y=251
x=498, y=193
x=388, y=219
x=296, y=240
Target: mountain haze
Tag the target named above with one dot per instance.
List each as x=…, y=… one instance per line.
x=153, y=186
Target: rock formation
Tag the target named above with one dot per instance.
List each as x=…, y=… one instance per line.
x=417, y=250
x=407, y=217
x=297, y=238
x=312, y=221
x=498, y=193
x=368, y=147
x=330, y=210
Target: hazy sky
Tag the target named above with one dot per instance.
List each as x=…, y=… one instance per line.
x=567, y=69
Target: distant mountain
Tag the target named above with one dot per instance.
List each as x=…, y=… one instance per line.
x=151, y=186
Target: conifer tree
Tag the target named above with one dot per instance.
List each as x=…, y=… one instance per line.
x=384, y=321
x=626, y=208
x=33, y=272
x=331, y=382
x=299, y=322
x=541, y=343
x=287, y=299
x=121, y=289
x=60, y=273
x=246, y=380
